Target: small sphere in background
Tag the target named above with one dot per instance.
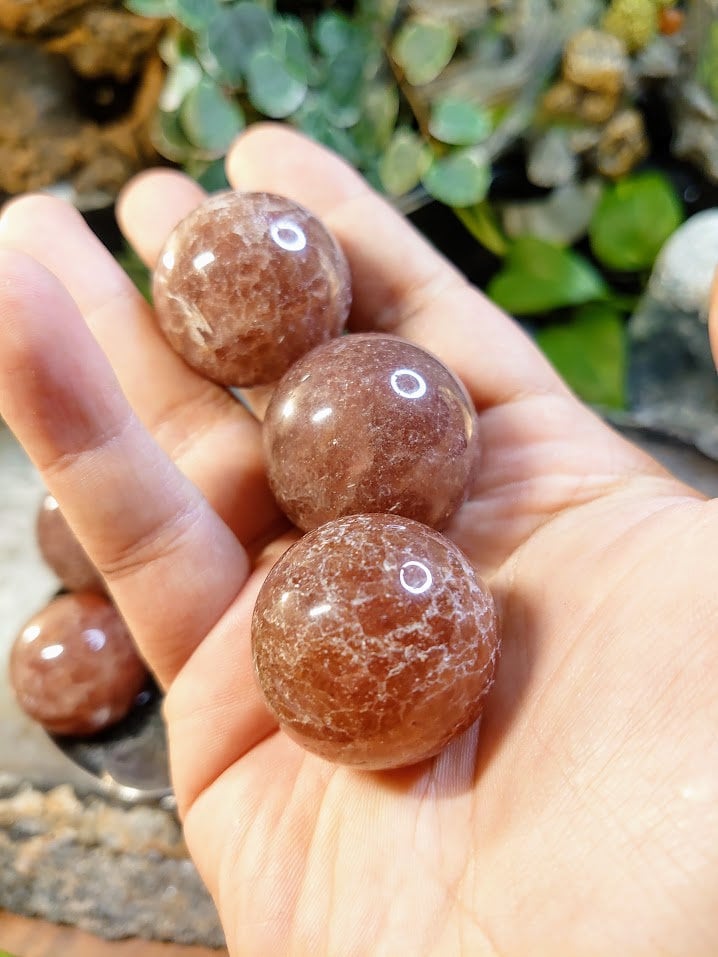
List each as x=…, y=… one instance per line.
x=62, y=552
x=74, y=667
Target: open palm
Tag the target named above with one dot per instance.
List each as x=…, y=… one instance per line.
x=581, y=817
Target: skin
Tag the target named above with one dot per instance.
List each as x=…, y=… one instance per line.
x=582, y=817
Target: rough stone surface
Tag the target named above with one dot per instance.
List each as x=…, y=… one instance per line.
x=374, y=641
x=551, y=161
x=623, y=144
x=247, y=284
x=62, y=551
x=111, y=870
x=370, y=423
x=74, y=667
x=596, y=61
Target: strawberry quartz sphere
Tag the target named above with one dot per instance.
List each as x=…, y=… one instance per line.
x=374, y=641
x=62, y=551
x=247, y=284
x=74, y=668
x=370, y=423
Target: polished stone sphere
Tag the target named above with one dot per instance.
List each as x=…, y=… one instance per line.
x=74, y=668
x=374, y=641
x=370, y=423
x=246, y=284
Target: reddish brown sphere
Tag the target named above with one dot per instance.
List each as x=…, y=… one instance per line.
x=62, y=551
x=370, y=423
x=74, y=668
x=247, y=284
x=374, y=641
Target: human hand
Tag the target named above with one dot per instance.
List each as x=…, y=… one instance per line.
x=581, y=817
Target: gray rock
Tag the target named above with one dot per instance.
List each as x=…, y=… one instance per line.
x=660, y=60
x=112, y=871
x=561, y=218
x=551, y=160
x=673, y=386
x=683, y=274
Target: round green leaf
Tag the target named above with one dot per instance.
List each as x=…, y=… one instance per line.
x=272, y=89
x=312, y=119
x=333, y=33
x=633, y=220
x=291, y=44
x=404, y=162
x=151, y=8
x=195, y=14
x=590, y=354
x=210, y=118
x=459, y=122
x=343, y=86
x=378, y=116
x=181, y=77
x=459, y=179
x=168, y=137
x=423, y=48
x=235, y=34
x=540, y=277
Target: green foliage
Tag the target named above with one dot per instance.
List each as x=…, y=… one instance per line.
x=210, y=118
x=459, y=179
x=151, y=8
x=195, y=14
x=633, y=220
x=423, y=48
x=234, y=35
x=459, y=122
x=404, y=163
x=708, y=63
x=590, y=353
x=482, y=222
x=272, y=87
x=539, y=277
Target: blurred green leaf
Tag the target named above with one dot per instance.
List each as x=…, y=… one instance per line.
x=343, y=86
x=708, y=61
x=483, y=224
x=633, y=220
x=168, y=137
x=210, y=118
x=211, y=176
x=423, y=48
x=459, y=122
x=333, y=33
x=312, y=120
x=291, y=44
x=195, y=14
x=458, y=179
x=378, y=116
x=539, y=277
x=181, y=77
x=272, y=89
x=151, y=8
x=235, y=34
x=404, y=162
x=590, y=354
